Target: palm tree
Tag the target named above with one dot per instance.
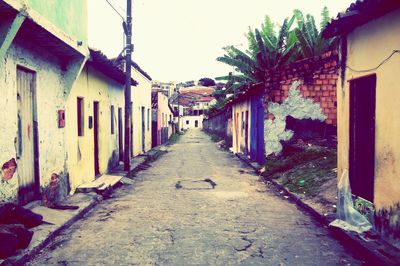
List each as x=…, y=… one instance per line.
x=309, y=37
x=267, y=51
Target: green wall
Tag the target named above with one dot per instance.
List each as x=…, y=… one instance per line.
x=69, y=15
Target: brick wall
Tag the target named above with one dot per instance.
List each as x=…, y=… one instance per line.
x=318, y=78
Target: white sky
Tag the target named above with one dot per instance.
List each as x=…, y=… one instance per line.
x=180, y=40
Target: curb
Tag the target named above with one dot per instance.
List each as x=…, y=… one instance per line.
x=377, y=252
x=32, y=253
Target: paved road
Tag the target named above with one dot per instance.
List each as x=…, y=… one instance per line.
x=171, y=216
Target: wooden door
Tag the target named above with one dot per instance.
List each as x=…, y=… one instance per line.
x=120, y=136
x=27, y=150
x=246, y=132
x=143, y=130
x=362, y=137
x=96, y=137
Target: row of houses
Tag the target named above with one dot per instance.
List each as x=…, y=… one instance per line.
x=63, y=103
x=351, y=92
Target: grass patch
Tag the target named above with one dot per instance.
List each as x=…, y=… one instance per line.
x=175, y=137
x=276, y=164
x=303, y=172
x=216, y=137
x=154, y=156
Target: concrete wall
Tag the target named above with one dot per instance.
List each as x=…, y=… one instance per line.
x=368, y=45
x=141, y=97
x=68, y=15
x=92, y=86
x=50, y=95
x=189, y=121
x=221, y=125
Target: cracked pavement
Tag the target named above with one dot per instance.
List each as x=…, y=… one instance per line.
x=155, y=222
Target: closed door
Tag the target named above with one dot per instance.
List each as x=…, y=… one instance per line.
x=96, y=137
x=246, y=132
x=120, y=134
x=27, y=154
x=143, y=130
x=362, y=137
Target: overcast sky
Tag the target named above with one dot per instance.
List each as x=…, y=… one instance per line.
x=179, y=40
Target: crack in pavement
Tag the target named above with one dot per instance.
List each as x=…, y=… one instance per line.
x=244, y=247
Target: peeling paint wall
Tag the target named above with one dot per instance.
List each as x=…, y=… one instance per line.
x=92, y=86
x=318, y=76
x=294, y=105
x=141, y=97
x=367, y=46
x=50, y=95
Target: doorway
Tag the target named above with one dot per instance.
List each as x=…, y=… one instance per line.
x=120, y=136
x=27, y=146
x=362, y=136
x=143, y=130
x=96, y=137
x=196, y=123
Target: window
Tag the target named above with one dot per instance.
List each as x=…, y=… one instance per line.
x=148, y=119
x=187, y=122
x=80, y=115
x=112, y=119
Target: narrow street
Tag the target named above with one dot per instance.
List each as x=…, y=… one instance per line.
x=171, y=216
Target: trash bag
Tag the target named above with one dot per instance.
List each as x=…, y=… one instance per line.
x=348, y=218
x=11, y=213
x=13, y=237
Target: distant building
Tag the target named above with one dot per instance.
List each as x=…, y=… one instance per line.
x=168, y=88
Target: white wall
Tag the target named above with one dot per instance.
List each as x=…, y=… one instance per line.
x=141, y=97
x=50, y=95
x=191, y=120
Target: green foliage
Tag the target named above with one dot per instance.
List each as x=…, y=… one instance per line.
x=275, y=165
x=310, y=40
x=271, y=47
x=267, y=50
x=208, y=82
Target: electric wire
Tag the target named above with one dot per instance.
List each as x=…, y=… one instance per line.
x=115, y=10
x=378, y=66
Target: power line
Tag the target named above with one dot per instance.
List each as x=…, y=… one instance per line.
x=378, y=66
x=115, y=10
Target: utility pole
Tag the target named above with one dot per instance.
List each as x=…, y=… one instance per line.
x=179, y=114
x=127, y=94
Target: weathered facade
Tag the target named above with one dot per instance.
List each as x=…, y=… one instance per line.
x=94, y=121
x=248, y=124
x=162, y=119
x=36, y=79
x=141, y=112
x=368, y=113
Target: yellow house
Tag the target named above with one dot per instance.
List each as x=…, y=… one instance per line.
x=94, y=120
x=368, y=102
x=141, y=111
